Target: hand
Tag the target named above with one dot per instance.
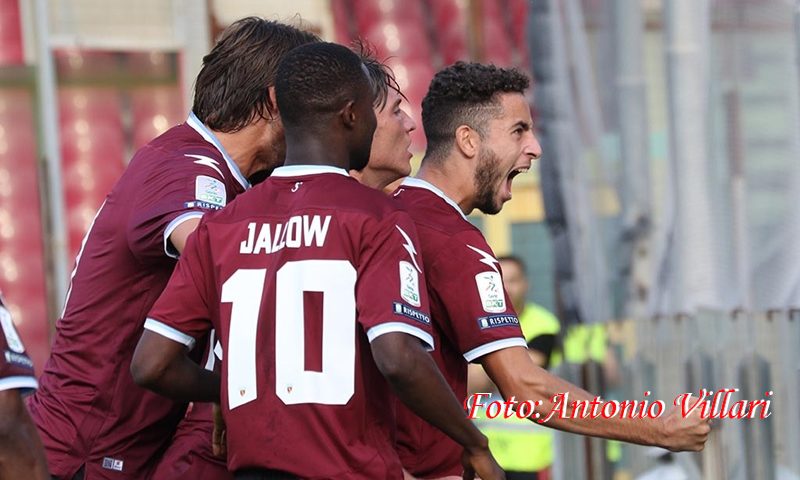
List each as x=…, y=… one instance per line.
x=219, y=439
x=480, y=461
x=408, y=476
x=684, y=434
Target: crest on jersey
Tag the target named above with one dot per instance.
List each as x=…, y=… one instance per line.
x=209, y=190
x=7, y=325
x=490, y=288
x=409, y=283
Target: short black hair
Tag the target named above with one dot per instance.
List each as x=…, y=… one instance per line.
x=380, y=73
x=232, y=88
x=318, y=79
x=514, y=259
x=464, y=94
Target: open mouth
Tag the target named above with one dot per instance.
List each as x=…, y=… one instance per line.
x=510, y=179
x=516, y=172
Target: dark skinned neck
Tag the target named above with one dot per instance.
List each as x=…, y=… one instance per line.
x=314, y=149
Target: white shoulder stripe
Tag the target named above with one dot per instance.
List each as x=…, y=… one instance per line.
x=494, y=346
x=19, y=382
x=165, y=330
x=389, y=327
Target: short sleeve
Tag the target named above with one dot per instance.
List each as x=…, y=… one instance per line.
x=182, y=311
x=16, y=368
x=467, y=282
x=182, y=191
x=391, y=294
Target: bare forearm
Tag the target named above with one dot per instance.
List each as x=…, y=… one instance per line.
x=558, y=401
x=185, y=381
x=161, y=365
x=21, y=453
x=516, y=376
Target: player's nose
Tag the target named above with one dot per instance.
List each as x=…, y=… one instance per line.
x=532, y=147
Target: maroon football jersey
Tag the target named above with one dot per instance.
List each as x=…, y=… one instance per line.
x=297, y=276
x=16, y=369
x=88, y=409
x=471, y=315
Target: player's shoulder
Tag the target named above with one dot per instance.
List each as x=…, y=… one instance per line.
x=346, y=195
x=433, y=213
x=178, y=149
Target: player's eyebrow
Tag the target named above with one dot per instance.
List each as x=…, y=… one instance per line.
x=522, y=124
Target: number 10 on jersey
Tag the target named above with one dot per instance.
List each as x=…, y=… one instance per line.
x=335, y=384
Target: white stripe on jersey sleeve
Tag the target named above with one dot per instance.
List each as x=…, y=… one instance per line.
x=168, y=248
x=494, y=346
x=165, y=330
x=389, y=327
x=13, y=383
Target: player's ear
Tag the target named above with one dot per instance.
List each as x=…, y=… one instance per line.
x=273, y=100
x=467, y=141
x=348, y=114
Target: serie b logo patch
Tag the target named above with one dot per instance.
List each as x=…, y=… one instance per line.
x=409, y=283
x=490, y=289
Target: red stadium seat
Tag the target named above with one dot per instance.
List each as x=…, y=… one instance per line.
x=496, y=39
x=92, y=151
x=22, y=272
x=155, y=109
x=519, y=32
x=450, y=19
x=11, y=51
x=343, y=23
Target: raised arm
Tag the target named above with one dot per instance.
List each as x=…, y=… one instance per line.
x=516, y=375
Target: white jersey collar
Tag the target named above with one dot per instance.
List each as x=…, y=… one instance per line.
x=299, y=170
x=419, y=183
x=209, y=137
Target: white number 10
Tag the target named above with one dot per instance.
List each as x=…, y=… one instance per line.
x=335, y=384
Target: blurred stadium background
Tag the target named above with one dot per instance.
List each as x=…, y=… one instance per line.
x=666, y=203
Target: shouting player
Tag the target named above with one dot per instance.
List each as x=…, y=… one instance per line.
x=315, y=287
x=480, y=136
x=21, y=454
x=93, y=418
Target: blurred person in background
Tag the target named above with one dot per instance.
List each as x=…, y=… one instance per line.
x=95, y=422
x=480, y=137
x=21, y=453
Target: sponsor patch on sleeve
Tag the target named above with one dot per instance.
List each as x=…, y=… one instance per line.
x=7, y=326
x=408, y=312
x=490, y=288
x=493, y=321
x=203, y=205
x=409, y=283
x=18, y=359
x=209, y=190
